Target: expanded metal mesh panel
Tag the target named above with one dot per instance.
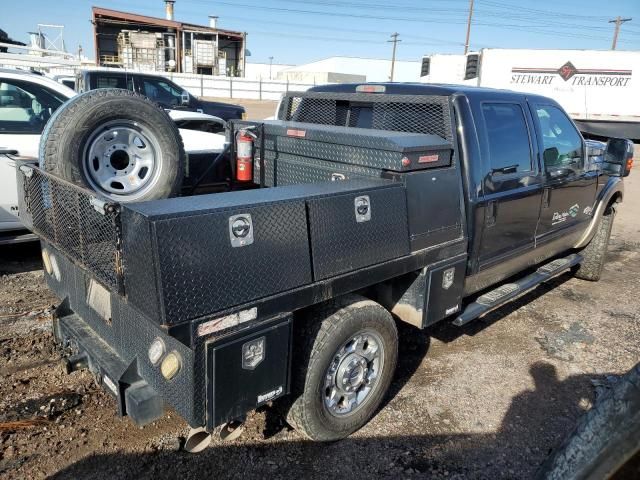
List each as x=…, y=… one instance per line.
x=402, y=113
x=64, y=215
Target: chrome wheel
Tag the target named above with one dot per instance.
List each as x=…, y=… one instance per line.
x=353, y=373
x=122, y=158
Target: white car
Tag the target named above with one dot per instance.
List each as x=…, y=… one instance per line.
x=28, y=100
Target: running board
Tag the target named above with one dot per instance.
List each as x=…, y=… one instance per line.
x=510, y=291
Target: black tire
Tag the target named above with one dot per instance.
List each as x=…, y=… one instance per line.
x=595, y=252
x=606, y=437
x=328, y=329
x=66, y=138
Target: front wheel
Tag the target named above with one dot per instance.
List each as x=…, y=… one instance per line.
x=595, y=252
x=344, y=369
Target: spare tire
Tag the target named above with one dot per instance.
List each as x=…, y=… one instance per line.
x=117, y=143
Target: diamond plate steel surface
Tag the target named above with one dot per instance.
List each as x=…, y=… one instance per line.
x=198, y=272
x=404, y=113
x=140, y=265
x=197, y=282
x=293, y=170
x=371, y=148
x=130, y=334
x=181, y=392
x=341, y=244
x=64, y=215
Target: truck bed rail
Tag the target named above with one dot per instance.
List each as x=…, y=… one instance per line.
x=76, y=220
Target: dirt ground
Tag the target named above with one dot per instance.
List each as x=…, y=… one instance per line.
x=486, y=401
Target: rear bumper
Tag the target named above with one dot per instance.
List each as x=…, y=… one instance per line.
x=134, y=396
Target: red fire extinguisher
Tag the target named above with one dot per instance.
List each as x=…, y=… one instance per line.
x=244, y=156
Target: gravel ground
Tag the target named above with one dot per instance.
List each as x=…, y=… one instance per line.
x=486, y=401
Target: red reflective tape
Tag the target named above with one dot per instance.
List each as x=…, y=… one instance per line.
x=428, y=158
x=296, y=133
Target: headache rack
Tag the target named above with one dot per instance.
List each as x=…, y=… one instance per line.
x=75, y=220
x=429, y=114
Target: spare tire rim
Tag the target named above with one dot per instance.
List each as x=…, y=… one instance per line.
x=353, y=374
x=122, y=159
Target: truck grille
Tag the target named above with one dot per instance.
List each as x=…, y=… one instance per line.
x=74, y=220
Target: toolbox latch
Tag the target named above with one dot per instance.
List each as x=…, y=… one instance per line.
x=363, y=208
x=240, y=230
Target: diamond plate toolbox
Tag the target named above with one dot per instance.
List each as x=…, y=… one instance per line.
x=190, y=257
x=292, y=147
x=184, y=257
x=358, y=229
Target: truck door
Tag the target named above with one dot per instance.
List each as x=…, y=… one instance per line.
x=569, y=186
x=512, y=183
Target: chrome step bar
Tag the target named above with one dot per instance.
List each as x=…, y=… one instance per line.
x=510, y=291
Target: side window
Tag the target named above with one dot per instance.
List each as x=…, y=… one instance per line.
x=161, y=91
x=562, y=144
x=508, y=137
x=114, y=81
x=25, y=107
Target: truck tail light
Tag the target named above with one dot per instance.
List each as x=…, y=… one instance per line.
x=244, y=156
x=628, y=167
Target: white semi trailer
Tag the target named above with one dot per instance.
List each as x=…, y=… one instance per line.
x=600, y=89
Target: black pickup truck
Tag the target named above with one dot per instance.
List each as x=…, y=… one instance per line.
x=159, y=89
x=369, y=204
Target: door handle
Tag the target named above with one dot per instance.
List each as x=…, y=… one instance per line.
x=546, y=197
x=490, y=213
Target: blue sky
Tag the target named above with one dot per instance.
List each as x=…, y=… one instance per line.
x=300, y=31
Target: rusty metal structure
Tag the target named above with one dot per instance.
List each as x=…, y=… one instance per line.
x=139, y=42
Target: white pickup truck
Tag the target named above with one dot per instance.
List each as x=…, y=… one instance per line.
x=28, y=100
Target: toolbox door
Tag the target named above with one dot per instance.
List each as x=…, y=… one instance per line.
x=247, y=370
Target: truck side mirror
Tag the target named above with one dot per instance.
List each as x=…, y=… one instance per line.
x=551, y=156
x=185, y=98
x=619, y=155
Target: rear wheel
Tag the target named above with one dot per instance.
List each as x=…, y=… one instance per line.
x=344, y=368
x=117, y=143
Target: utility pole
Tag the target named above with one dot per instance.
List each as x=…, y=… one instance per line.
x=618, y=21
x=270, y=65
x=466, y=42
x=394, y=40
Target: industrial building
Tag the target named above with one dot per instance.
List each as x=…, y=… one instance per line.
x=139, y=42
